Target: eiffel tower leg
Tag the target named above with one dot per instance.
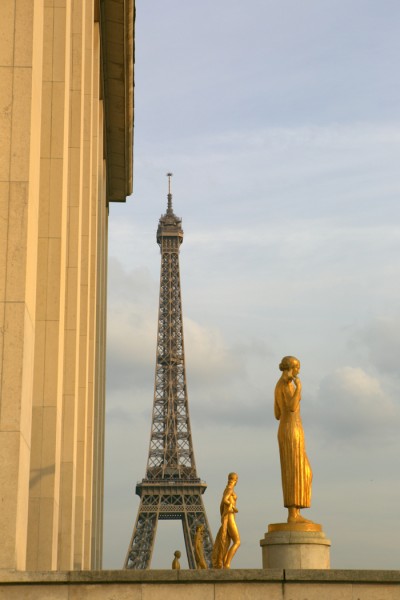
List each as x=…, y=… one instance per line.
x=199, y=518
x=142, y=543
x=189, y=541
x=194, y=516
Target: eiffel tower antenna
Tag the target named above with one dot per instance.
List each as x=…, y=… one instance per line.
x=169, y=209
x=171, y=488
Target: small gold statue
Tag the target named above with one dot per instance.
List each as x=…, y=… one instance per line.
x=199, y=549
x=175, y=563
x=295, y=468
x=223, y=552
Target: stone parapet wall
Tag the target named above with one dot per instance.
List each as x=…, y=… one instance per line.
x=236, y=584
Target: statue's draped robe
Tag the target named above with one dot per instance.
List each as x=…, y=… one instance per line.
x=295, y=468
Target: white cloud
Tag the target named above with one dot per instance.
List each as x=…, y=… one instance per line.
x=381, y=339
x=214, y=368
x=208, y=354
x=351, y=403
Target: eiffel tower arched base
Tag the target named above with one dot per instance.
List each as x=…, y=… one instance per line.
x=164, y=500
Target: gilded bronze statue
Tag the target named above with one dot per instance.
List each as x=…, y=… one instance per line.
x=199, y=548
x=295, y=468
x=228, y=533
x=176, y=565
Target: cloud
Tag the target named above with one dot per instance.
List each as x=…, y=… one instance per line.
x=288, y=187
x=208, y=355
x=351, y=404
x=132, y=336
x=275, y=63
x=381, y=340
x=131, y=347
x=131, y=326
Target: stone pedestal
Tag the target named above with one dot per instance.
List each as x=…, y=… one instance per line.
x=295, y=546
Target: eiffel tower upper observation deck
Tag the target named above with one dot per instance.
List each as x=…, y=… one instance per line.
x=171, y=488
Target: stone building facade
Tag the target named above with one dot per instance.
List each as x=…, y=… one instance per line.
x=66, y=123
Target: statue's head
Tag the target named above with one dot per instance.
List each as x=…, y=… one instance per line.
x=289, y=363
x=233, y=477
x=177, y=554
x=200, y=528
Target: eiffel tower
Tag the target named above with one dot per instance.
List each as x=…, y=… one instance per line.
x=171, y=489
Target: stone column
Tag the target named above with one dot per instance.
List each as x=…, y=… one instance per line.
x=21, y=50
x=72, y=305
x=48, y=360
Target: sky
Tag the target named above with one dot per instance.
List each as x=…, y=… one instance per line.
x=280, y=122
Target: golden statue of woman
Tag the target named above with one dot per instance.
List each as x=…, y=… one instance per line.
x=223, y=551
x=295, y=468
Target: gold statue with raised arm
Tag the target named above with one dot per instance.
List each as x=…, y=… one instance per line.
x=223, y=551
x=295, y=468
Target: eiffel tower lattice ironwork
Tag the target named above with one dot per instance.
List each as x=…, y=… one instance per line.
x=171, y=489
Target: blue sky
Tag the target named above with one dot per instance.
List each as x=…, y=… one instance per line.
x=280, y=122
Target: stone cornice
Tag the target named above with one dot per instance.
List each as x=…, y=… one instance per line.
x=117, y=18
x=187, y=576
